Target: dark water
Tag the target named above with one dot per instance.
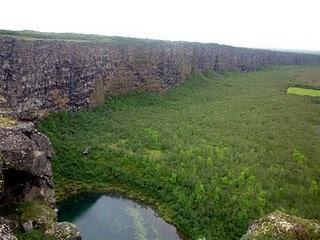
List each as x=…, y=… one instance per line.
x=112, y=217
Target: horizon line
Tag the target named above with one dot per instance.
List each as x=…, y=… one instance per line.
x=294, y=50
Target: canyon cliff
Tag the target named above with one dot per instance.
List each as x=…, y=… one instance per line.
x=39, y=74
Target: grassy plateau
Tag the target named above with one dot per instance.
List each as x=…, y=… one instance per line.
x=211, y=155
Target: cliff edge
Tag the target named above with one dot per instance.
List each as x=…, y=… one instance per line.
x=45, y=72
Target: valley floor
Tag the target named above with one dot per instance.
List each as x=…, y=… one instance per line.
x=211, y=155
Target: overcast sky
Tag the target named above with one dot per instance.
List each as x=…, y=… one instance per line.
x=286, y=24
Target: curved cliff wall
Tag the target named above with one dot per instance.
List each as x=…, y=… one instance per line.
x=47, y=74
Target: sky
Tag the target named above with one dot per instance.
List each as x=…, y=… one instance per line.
x=278, y=24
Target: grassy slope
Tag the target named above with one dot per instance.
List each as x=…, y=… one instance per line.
x=59, y=36
x=213, y=154
x=35, y=35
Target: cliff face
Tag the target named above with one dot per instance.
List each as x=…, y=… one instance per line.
x=51, y=74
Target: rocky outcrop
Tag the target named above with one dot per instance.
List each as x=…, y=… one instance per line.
x=64, y=231
x=6, y=232
x=25, y=165
x=27, y=196
x=280, y=226
x=35, y=215
x=26, y=184
x=36, y=218
x=46, y=75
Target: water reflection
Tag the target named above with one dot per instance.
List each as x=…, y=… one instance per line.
x=113, y=217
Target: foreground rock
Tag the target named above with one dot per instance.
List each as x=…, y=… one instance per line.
x=27, y=194
x=39, y=218
x=6, y=232
x=25, y=165
x=280, y=226
x=64, y=231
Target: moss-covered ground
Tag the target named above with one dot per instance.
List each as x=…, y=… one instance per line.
x=37, y=212
x=211, y=155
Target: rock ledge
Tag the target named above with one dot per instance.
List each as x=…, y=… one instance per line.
x=281, y=226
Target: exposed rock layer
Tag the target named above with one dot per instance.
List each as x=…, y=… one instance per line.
x=51, y=74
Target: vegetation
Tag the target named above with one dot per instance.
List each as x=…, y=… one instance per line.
x=211, y=155
x=36, y=211
x=304, y=91
x=35, y=234
x=30, y=34
x=39, y=213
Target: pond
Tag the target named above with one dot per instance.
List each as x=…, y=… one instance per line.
x=114, y=217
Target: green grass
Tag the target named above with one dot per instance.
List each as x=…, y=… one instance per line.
x=34, y=235
x=211, y=155
x=304, y=91
x=35, y=35
x=37, y=212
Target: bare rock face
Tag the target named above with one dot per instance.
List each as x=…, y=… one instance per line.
x=25, y=165
x=64, y=231
x=47, y=75
x=6, y=232
x=280, y=226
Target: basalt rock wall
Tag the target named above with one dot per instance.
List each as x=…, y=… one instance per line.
x=45, y=75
